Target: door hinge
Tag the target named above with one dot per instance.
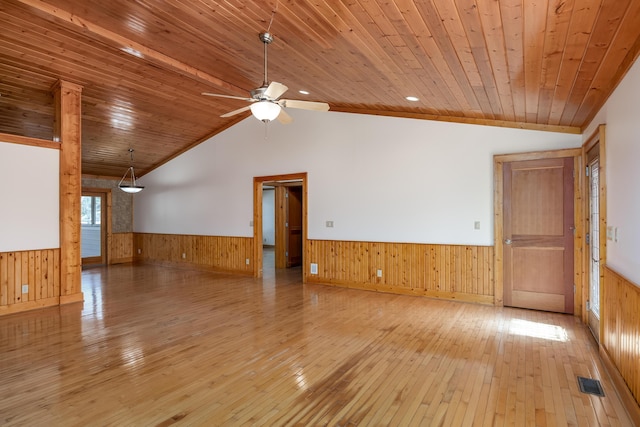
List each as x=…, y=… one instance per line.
x=286, y=254
x=286, y=224
x=588, y=305
x=574, y=288
x=286, y=195
x=588, y=239
x=586, y=170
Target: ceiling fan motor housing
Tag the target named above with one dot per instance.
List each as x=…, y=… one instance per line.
x=258, y=93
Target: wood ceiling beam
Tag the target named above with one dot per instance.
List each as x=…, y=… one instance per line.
x=468, y=120
x=128, y=46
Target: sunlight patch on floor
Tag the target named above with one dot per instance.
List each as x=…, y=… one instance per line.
x=538, y=330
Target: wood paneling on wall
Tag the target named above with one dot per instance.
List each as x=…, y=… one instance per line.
x=453, y=272
x=620, y=313
x=40, y=269
x=209, y=252
x=120, y=248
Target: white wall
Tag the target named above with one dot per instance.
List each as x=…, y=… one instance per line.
x=269, y=216
x=29, y=195
x=621, y=114
x=377, y=178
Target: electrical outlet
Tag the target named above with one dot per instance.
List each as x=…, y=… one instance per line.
x=379, y=273
x=184, y=255
x=314, y=268
x=139, y=251
x=246, y=261
x=25, y=289
x=476, y=225
x=329, y=224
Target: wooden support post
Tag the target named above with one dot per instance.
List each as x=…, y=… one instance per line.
x=67, y=131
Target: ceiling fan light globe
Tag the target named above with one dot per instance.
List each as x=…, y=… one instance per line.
x=265, y=110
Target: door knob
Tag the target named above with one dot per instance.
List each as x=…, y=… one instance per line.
x=507, y=241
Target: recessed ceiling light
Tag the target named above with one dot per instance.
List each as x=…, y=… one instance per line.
x=304, y=92
x=412, y=98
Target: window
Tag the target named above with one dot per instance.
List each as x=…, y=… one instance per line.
x=90, y=210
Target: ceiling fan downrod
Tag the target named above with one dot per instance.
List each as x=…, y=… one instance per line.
x=265, y=38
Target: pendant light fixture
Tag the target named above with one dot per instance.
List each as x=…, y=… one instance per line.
x=130, y=186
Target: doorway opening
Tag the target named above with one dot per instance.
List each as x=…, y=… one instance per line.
x=280, y=218
x=92, y=219
x=268, y=227
x=95, y=219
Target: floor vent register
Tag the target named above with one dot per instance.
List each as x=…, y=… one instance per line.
x=590, y=386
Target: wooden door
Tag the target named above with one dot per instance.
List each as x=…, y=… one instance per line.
x=281, y=226
x=538, y=234
x=294, y=226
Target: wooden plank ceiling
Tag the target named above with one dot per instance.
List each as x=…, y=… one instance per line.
x=546, y=64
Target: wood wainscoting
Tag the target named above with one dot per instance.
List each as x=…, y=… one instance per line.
x=39, y=269
x=463, y=273
x=620, y=313
x=219, y=253
x=120, y=248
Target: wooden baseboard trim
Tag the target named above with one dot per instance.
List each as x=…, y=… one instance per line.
x=121, y=260
x=450, y=296
x=69, y=299
x=623, y=392
x=29, y=305
x=191, y=266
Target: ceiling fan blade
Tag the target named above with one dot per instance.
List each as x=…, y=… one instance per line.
x=228, y=96
x=306, y=105
x=275, y=90
x=238, y=111
x=284, y=117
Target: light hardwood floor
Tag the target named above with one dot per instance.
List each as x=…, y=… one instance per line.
x=157, y=346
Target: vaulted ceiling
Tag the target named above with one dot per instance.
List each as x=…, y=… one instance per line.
x=547, y=64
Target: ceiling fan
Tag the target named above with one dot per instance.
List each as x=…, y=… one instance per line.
x=266, y=104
